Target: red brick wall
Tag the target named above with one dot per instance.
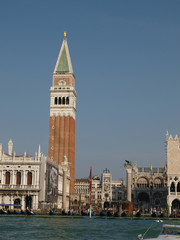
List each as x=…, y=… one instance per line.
x=64, y=143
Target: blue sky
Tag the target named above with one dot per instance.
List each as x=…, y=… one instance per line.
x=126, y=59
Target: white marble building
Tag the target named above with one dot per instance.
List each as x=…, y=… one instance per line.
x=19, y=179
x=173, y=172
x=24, y=180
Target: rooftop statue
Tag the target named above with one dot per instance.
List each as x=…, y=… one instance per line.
x=128, y=163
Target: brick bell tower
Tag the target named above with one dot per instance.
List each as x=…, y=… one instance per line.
x=63, y=112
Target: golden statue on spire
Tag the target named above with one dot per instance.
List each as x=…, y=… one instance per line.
x=64, y=34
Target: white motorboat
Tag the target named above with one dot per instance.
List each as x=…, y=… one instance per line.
x=169, y=232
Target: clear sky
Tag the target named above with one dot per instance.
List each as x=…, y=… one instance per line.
x=126, y=59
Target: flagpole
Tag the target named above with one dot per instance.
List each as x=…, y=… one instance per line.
x=90, y=188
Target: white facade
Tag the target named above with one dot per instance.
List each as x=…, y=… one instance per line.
x=23, y=180
x=19, y=179
x=173, y=172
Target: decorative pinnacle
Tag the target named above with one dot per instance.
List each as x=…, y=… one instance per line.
x=64, y=34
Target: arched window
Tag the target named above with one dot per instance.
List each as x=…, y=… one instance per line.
x=29, y=178
x=142, y=183
x=178, y=187
x=60, y=100
x=67, y=100
x=55, y=100
x=63, y=100
x=18, y=178
x=172, y=188
x=7, y=178
x=158, y=183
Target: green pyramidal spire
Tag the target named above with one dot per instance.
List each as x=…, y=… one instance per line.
x=63, y=64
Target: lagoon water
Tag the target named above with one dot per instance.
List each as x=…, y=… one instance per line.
x=82, y=228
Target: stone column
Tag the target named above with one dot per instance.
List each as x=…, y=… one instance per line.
x=23, y=202
x=38, y=178
x=33, y=201
x=170, y=207
x=33, y=177
x=128, y=178
x=65, y=167
x=168, y=189
x=11, y=202
x=64, y=188
x=2, y=177
x=24, y=177
x=14, y=178
x=176, y=188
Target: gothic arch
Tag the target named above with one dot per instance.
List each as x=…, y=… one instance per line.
x=176, y=204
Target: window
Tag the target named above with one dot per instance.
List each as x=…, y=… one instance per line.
x=18, y=178
x=60, y=100
x=158, y=183
x=7, y=178
x=172, y=188
x=142, y=183
x=178, y=187
x=29, y=178
x=55, y=100
x=67, y=100
x=63, y=100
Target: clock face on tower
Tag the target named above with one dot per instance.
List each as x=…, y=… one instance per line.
x=62, y=82
x=106, y=195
